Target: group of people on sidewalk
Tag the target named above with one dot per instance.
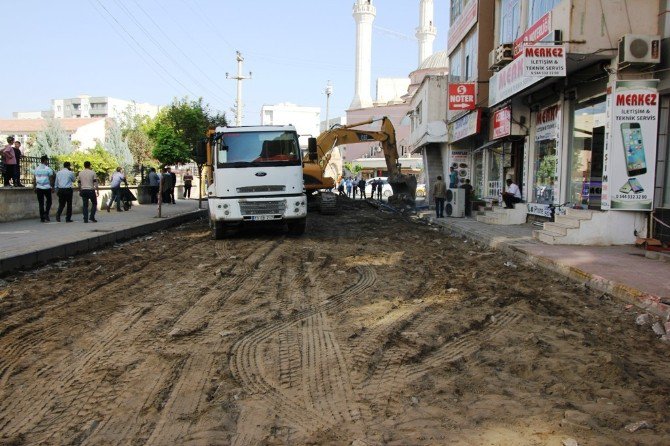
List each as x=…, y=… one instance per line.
x=510, y=196
x=166, y=182
x=62, y=182
x=11, y=162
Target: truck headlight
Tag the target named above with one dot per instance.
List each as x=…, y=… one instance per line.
x=297, y=203
x=225, y=206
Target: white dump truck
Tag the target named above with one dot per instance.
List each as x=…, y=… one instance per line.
x=255, y=175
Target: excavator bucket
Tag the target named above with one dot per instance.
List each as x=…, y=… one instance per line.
x=404, y=189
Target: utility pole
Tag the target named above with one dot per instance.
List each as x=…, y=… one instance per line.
x=329, y=91
x=239, y=78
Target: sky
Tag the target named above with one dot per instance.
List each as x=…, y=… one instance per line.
x=156, y=50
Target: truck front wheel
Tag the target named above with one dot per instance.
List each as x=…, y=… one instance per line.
x=218, y=230
x=297, y=227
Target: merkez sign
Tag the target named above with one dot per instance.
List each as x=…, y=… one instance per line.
x=544, y=61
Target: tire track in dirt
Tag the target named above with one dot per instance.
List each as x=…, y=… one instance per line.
x=296, y=409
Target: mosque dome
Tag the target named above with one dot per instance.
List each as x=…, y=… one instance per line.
x=439, y=59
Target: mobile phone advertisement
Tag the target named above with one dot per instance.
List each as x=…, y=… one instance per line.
x=630, y=148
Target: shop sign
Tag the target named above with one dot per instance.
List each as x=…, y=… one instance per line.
x=502, y=122
x=462, y=96
x=543, y=210
x=535, y=33
x=544, y=61
x=630, y=152
x=547, y=123
x=466, y=126
x=462, y=25
x=509, y=81
x=460, y=161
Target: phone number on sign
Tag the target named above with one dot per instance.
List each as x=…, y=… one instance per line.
x=629, y=198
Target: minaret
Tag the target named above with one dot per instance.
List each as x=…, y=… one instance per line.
x=426, y=32
x=364, y=14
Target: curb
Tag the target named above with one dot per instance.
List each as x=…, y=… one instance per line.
x=647, y=302
x=43, y=256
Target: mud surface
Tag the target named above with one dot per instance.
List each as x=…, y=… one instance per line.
x=368, y=330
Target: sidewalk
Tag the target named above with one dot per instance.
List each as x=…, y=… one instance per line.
x=27, y=243
x=621, y=271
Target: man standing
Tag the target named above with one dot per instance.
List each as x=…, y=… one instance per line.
x=9, y=158
x=44, y=177
x=512, y=195
x=188, y=181
x=117, y=178
x=361, y=186
x=380, y=186
x=173, y=184
x=64, y=179
x=154, y=183
x=166, y=186
x=453, y=178
x=17, y=171
x=88, y=191
x=439, y=193
x=468, y=194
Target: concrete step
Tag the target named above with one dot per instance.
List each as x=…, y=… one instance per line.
x=549, y=237
x=581, y=214
x=566, y=220
x=558, y=228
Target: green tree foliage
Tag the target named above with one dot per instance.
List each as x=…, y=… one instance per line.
x=52, y=141
x=352, y=168
x=135, y=128
x=102, y=163
x=177, y=129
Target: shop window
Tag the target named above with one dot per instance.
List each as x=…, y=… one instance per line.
x=546, y=163
x=586, y=154
x=478, y=174
x=538, y=8
x=495, y=173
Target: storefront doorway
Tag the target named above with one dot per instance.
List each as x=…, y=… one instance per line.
x=586, y=154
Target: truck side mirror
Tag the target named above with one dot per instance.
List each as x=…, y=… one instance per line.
x=311, y=149
x=200, y=155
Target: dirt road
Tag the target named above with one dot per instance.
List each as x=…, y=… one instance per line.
x=368, y=330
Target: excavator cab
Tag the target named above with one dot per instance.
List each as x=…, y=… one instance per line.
x=312, y=153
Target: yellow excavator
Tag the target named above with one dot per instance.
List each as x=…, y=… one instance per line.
x=319, y=153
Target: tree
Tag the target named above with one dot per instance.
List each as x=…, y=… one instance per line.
x=117, y=147
x=354, y=169
x=102, y=163
x=178, y=128
x=135, y=128
x=53, y=141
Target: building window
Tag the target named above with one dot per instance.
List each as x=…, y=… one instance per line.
x=546, y=164
x=470, y=63
x=586, y=154
x=510, y=16
x=457, y=7
x=538, y=8
x=417, y=113
x=456, y=66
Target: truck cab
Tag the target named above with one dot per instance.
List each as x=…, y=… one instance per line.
x=256, y=177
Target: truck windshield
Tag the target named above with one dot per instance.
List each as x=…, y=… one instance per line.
x=243, y=149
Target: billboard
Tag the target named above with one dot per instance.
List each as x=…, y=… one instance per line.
x=630, y=153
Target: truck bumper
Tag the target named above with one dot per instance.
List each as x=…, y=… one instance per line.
x=258, y=209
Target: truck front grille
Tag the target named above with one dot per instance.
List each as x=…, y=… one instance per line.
x=262, y=207
x=252, y=189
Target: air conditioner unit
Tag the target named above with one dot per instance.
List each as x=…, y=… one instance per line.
x=639, y=49
x=501, y=56
x=455, y=203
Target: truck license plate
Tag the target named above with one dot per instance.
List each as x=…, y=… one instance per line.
x=262, y=217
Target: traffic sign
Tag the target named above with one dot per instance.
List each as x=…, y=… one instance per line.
x=462, y=96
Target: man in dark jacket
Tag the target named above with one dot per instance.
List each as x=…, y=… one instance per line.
x=361, y=187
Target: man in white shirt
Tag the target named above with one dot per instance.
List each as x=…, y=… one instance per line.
x=117, y=178
x=64, y=179
x=512, y=195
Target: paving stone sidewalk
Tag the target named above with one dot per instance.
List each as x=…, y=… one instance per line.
x=28, y=243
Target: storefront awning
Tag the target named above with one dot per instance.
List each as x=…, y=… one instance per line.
x=498, y=142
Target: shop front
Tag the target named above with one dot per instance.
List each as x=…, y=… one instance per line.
x=544, y=167
x=464, y=137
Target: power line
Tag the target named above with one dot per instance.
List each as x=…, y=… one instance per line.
x=129, y=43
x=164, y=51
x=145, y=51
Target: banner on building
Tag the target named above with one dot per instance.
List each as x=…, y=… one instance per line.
x=630, y=149
x=460, y=161
x=462, y=96
x=544, y=61
x=502, y=122
x=535, y=33
x=462, y=25
x=465, y=126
